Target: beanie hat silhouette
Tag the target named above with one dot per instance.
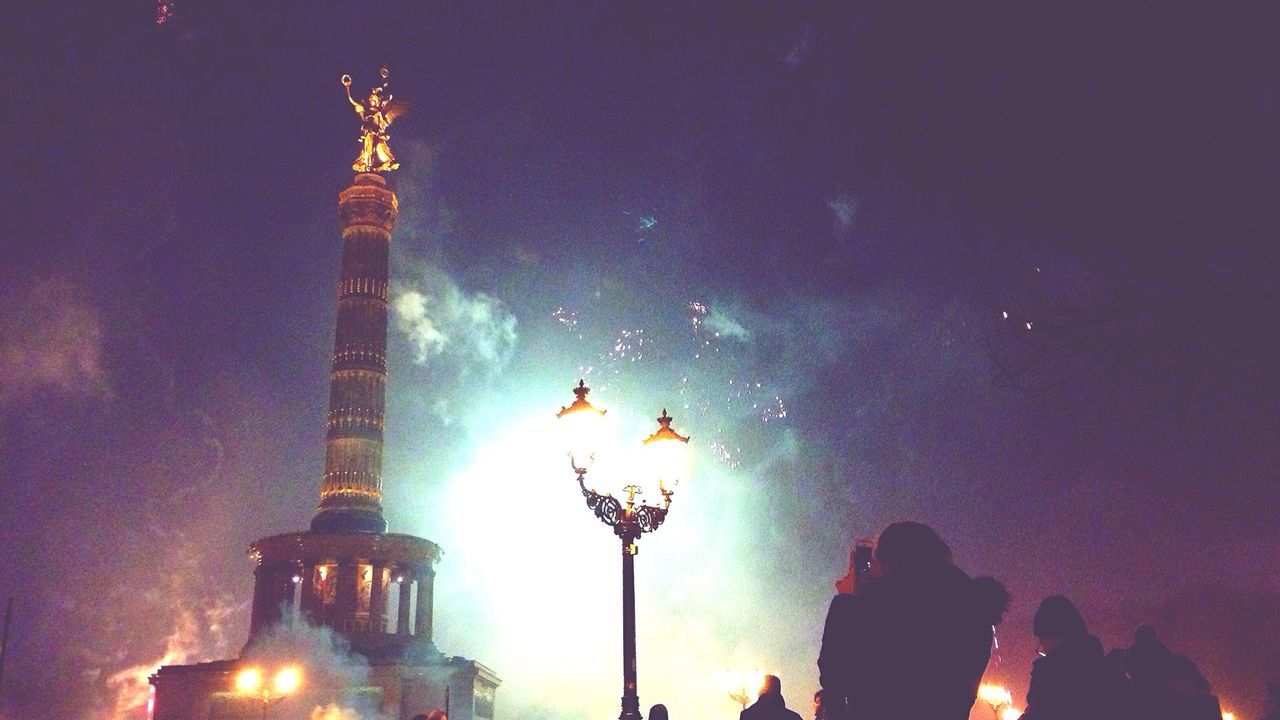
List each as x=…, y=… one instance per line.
x=1057, y=617
x=911, y=544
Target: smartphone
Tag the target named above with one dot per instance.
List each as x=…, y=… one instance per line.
x=862, y=554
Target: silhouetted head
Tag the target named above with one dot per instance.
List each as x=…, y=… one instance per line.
x=910, y=544
x=771, y=685
x=658, y=712
x=1144, y=634
x=1057, y=620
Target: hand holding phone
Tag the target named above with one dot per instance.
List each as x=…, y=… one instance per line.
x=862, y=566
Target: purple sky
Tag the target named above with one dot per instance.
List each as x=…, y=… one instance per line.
x=798, y=225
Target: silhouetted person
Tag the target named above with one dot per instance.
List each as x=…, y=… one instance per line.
x=770, y=705
x=658, y=712
x=1147, y=663
x=1166, y=685
x=1193, y=698
x=913, y=640
x=1273, y=701
x=1073, y=679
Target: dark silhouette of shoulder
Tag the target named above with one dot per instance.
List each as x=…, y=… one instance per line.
x=769, y=706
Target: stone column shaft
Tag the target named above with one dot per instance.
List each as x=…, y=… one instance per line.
x=422, y=624
x=402, y=612
x=377, y=601
x=272, y=587
x=348, y=585
x=351, y=489
x=309, y=603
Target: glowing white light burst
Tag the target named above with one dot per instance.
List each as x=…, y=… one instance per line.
x=629, y=345
x=529, y=581
x=697, y=311
x=568, y=318
x=775, y=410
x=720, y=451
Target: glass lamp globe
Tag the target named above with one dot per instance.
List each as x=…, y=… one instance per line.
x=666, y=455
x=288, y=680
x=581, y=428
x=249, y=680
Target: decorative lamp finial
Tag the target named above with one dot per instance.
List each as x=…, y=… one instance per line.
x=580, y=401
x=664, y=431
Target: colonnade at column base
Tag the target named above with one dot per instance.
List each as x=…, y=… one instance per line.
x=377, y=590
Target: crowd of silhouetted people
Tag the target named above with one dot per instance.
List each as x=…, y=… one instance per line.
x=909, y=635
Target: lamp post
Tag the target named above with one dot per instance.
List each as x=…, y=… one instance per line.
x=250, y=683
x=629, y=517
x=742, y=686
x=995, y=696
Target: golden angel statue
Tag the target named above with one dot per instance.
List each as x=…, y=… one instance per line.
x=376, y=115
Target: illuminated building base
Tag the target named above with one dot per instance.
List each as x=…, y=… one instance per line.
x=373, y=590
x=206, y=691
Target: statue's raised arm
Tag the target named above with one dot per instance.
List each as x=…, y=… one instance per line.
x=346, y=83
x=376, y=115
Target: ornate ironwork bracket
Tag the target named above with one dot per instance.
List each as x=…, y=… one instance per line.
x=628, y=520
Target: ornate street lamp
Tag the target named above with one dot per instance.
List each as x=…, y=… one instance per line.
x=629, y=517
x=995, y=696
x=251, y=683
x=743, y=687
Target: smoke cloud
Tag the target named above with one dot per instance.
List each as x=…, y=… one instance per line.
x=440, y=319
x=724, y=326
x=50, y=338
x=331, y=674
x=844, y=209
x=194, y=631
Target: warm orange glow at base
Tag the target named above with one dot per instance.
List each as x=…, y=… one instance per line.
x=994, y=695
x=288, y=680
x=249, y=680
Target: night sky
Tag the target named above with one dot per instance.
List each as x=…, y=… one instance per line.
x=1004, y=268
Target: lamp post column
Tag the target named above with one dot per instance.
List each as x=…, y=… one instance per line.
x=629, y=519
x=630, y=699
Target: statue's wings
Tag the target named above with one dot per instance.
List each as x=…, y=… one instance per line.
x=396, y=109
